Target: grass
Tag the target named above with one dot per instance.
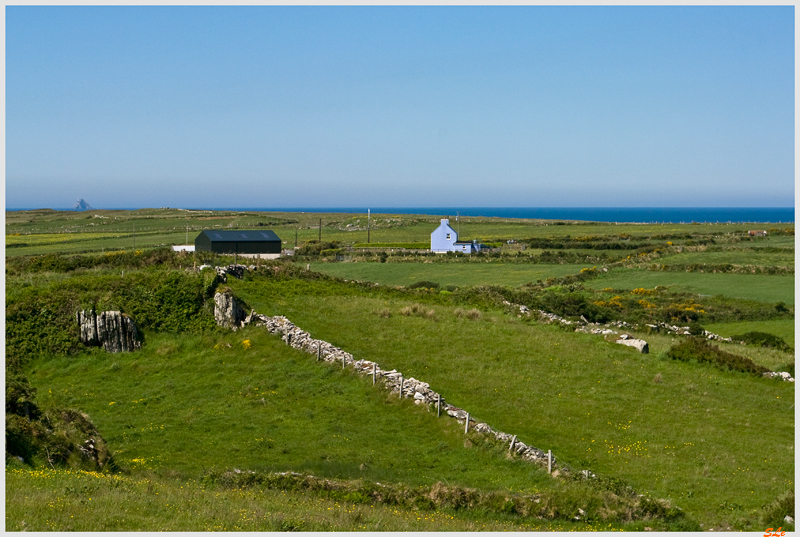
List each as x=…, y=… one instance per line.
x=659, y=344
x=458, y=274
x=783, y=328
x=718, y=444
x=69, y=500
x=733, y=256
x=592, y=402
x=258, y=405
x=170, y=225
x=761, y=287
x=276, y=409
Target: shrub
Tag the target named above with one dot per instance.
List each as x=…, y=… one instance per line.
x=702, y=351
x=763, y=339
x=64, y=437
x=314, y=247
x=424, y=284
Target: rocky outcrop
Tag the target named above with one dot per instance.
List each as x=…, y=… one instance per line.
x=227, y=311
x=113, y=330
x=638, y=344
x=81, y=205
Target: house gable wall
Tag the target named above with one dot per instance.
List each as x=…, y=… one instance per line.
x=443, y=238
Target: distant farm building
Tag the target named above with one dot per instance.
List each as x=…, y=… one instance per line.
x=183, y=248
x=758, y=233
x=248, y=242
x=445, y=239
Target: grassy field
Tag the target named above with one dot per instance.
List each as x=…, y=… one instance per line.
x=203, y=400
x=764, y=288
x=733, y=256
x=781, y=328
x=533, y=381
x=257, y=405
x=91, y=502
x=446, y=274
x=171, y=226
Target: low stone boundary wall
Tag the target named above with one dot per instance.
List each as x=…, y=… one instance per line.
x=396, y=382
x=408, y=387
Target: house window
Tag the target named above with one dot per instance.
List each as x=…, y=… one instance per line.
x=448, y=236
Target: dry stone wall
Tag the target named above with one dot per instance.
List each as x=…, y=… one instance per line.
x=393, y=380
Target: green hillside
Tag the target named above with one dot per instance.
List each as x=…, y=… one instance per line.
x=204, y=423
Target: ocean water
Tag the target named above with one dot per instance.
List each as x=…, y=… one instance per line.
x=592, y=214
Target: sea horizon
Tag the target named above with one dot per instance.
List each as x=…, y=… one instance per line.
x=666, y=215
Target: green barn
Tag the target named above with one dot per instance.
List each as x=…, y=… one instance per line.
x=242, y=241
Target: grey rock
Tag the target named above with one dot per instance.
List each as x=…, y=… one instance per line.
x=113, y=330
x=227, y=312
x=638, y=344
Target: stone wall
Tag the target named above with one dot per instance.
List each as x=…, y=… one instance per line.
x=393, y=380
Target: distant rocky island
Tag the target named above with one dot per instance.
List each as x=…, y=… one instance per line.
x=81, y=205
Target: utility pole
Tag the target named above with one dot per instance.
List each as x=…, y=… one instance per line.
x=458, y=225
x=295, y=237
x=369, y=222
x=187, y=231
x=320, y=230
x=134, y=237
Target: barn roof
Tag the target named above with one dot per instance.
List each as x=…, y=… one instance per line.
x=241, y=235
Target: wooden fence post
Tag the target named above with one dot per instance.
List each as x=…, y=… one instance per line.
x=319, y=351
x=466, y=424
x=438, y=405
x=513, y=441
x=373, y=372
x=342, y=361
x=549, y=461
x=401, y=386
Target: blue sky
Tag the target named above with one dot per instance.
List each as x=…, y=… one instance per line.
x=267, y=106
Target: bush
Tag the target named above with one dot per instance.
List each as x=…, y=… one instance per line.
x=41, y=320
x=64, y=437
x=314, y=247
x=424, y=284
x=703, y=352
x=763, y=339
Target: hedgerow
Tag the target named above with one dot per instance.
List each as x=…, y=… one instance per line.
x=41, y=319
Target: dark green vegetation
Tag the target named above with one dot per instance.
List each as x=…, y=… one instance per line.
x=198, y=403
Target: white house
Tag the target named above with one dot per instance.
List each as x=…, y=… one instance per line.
x=445, y=239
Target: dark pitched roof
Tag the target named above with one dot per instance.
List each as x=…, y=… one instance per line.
x=241, y=235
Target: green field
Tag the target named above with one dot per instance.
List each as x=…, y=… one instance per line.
x=198, y=403
x=446, y=273
x=733, y=256
x=781, y=328
x=764, y=288
x=170, y=226
x=625, y=424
